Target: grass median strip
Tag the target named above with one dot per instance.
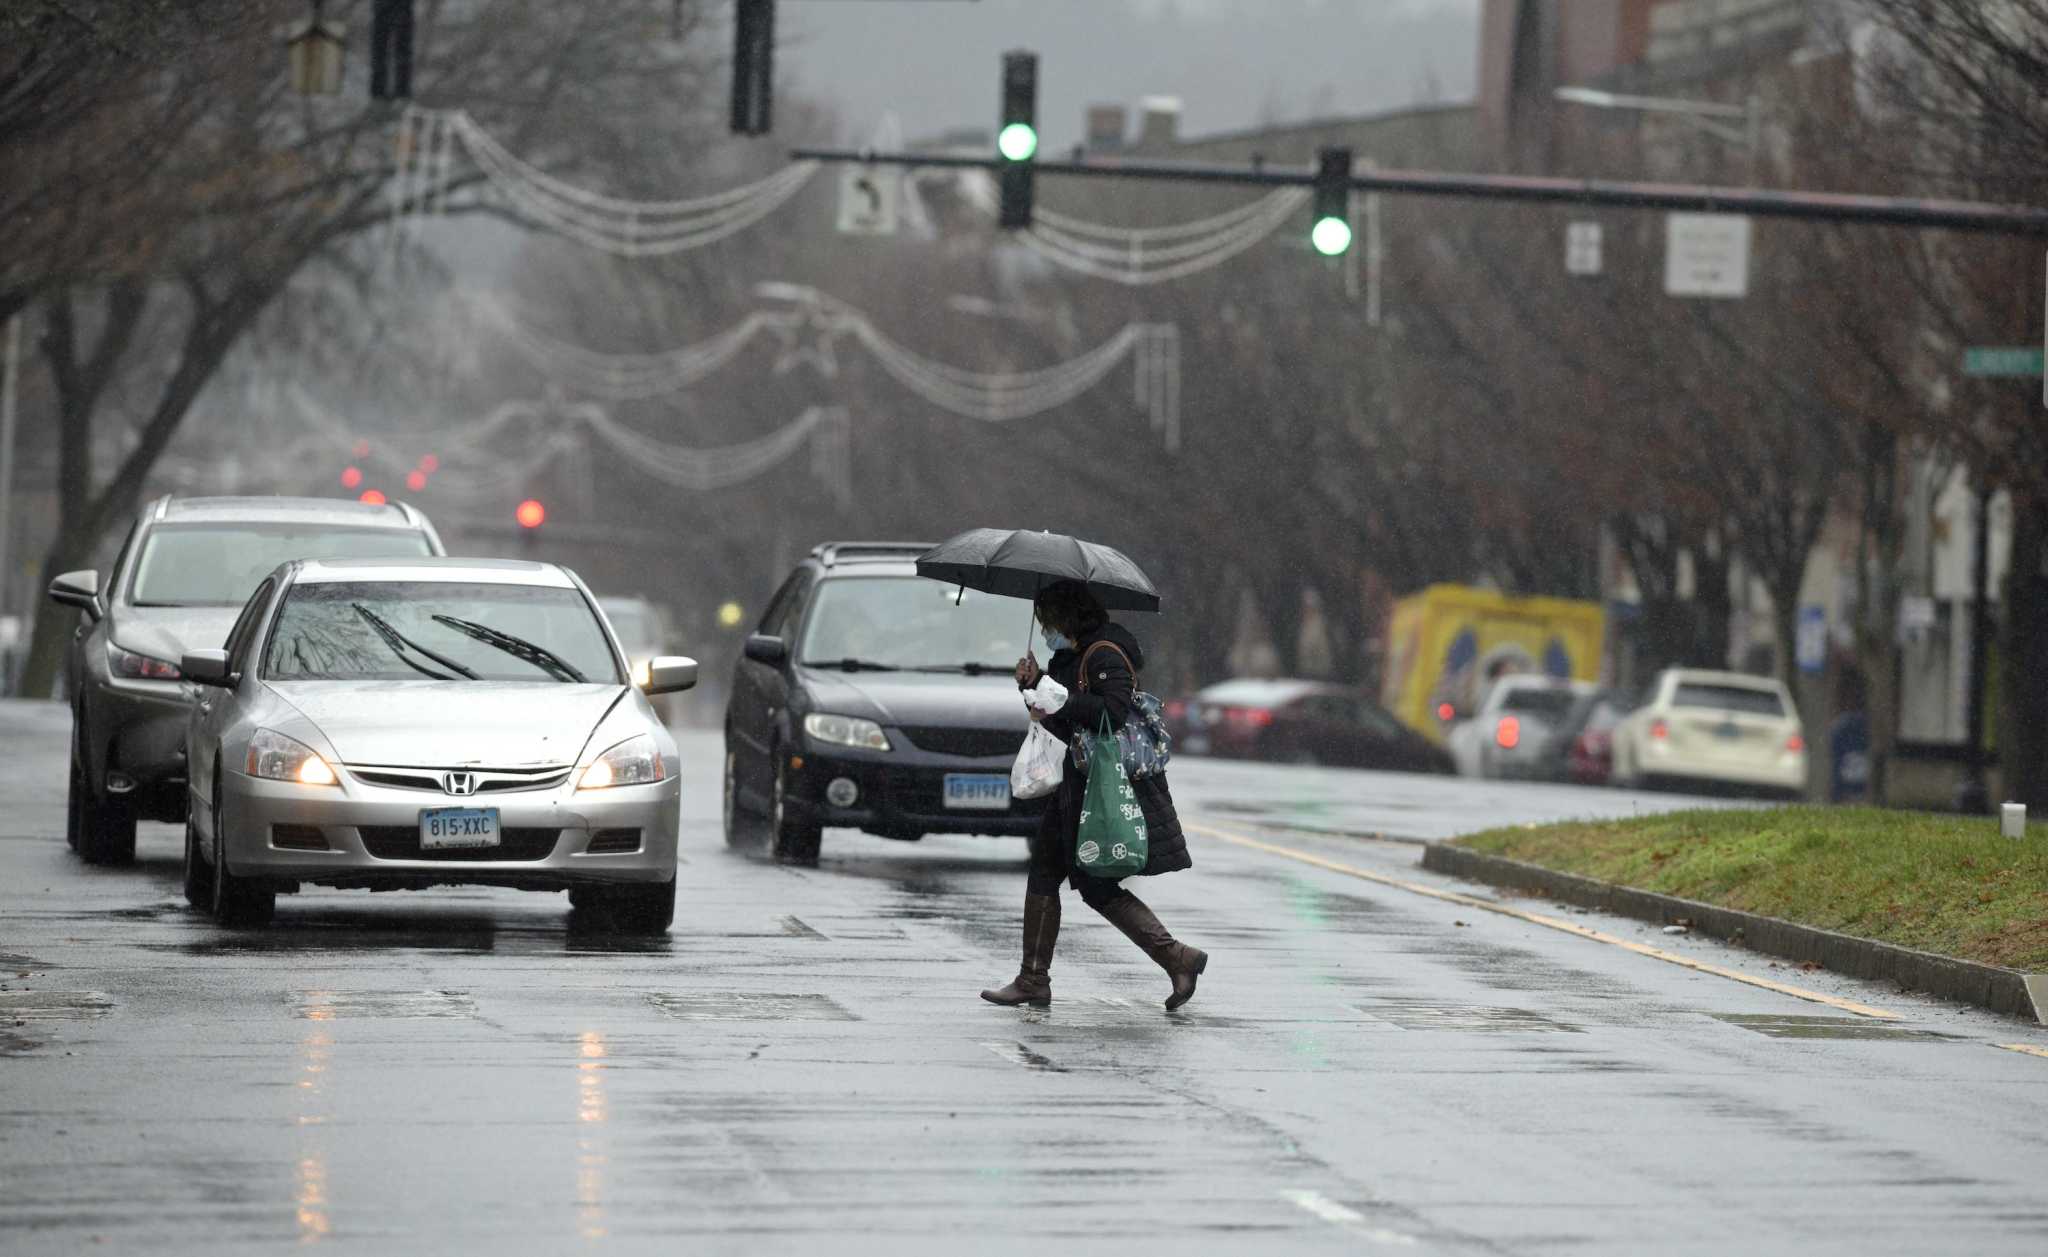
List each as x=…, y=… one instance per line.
x=1945, y=884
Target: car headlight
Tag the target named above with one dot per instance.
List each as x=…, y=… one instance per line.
x=126, y=663
x=275, y=757
x=846, y=731
x=635, y=762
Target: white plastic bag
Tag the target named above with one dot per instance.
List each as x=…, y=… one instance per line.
x=1040, y=765
x=1046, y=697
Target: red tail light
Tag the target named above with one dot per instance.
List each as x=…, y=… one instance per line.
x=1659, y=730
x=1795, y=743
x=1444, y=712
x=1259, y=717
x=1508, y=733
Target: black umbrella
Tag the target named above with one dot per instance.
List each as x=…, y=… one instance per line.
x=1018, y=563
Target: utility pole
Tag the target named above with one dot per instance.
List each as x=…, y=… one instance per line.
x=1973, y=796
x=10, y=374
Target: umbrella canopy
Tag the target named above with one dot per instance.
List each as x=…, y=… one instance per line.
x=1017, y=563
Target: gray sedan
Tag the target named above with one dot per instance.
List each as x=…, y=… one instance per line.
x=186, y=566
x=410, y=723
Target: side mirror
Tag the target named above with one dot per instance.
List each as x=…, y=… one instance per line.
x=761, y=648
x=669, y=674
x=206, y=667
x=79, y=589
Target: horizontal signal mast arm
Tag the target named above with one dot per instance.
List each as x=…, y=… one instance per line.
x=1837, y=207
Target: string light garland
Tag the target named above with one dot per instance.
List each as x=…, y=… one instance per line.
x=426, y=139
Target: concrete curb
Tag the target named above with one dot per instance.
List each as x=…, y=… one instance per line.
x=1987, y=986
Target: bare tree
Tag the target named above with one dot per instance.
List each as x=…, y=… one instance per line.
x=255, y=185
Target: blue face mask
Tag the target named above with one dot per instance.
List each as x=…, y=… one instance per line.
x=1056, y=640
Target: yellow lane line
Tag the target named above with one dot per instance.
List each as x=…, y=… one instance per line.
x=2028, y=1048
x=1555, y=923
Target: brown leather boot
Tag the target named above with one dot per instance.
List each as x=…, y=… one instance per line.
x=1033, y=983
x=1182, y=963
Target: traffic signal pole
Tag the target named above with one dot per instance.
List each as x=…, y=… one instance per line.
x=1839, y=207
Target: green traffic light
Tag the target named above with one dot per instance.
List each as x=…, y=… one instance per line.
x=1331, y=236
x=1018, y=141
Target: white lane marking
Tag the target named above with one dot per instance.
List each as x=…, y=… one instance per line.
x=1555, y=923
x=1348, y=1218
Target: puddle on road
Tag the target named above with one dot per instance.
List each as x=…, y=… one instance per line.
x=1112, y=1013
x=1799, y=1026
x=1433, y=1015
x=1573, y=1061
x=15, y=962
x=150, y=912
x=1018, y=1054
x=749, y=1006
x=324, y=1005
x=54, y=1005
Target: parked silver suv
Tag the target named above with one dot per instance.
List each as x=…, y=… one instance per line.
x=186, y=569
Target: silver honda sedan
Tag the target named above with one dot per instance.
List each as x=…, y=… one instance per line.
x=407, y=723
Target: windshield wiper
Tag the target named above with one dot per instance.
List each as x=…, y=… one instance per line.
x=517, y=647
x=400, y=643
x=851, y=665
x=970, y=668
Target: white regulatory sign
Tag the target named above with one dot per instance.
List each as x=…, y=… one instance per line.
x=867, y=200
x=1706, y=255
x=1582, y=248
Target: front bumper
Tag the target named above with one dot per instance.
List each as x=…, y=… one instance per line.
x=902, y=793
x=371, y=835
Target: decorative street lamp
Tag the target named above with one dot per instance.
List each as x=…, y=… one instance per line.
x=315, y=50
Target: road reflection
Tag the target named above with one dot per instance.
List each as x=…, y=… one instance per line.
x=316, y=1049
x=592, y=1112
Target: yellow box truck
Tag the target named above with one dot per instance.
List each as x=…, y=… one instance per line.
x=1446, y=643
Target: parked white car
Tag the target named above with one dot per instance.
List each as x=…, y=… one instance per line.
x=1707, y=729
x=1507, y=736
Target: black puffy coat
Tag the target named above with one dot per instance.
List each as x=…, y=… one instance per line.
x=1112, y=689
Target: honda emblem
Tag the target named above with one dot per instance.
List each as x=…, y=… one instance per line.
x=459, y=783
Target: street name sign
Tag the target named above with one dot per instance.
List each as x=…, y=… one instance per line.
x=2022, y=361
x=1706, y=255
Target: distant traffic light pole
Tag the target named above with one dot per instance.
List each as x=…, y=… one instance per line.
x=2017, y=220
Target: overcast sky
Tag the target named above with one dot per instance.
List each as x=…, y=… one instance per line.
x=1233, y=63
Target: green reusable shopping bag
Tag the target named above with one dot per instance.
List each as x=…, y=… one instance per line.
x=1110, y=841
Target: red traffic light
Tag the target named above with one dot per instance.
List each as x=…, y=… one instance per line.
x=352, y=478
x=530, y=514
x=415, y=480
x=373, y=497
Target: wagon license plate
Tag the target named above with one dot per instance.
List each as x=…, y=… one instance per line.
x=449, y=828
x=988, y=792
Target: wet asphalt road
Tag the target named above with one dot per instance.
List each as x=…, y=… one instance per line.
x=803, y=1064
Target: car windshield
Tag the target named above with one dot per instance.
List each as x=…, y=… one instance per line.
x=1545, y=704
x=910, y=622
x=218, y=565
x=1731, y=698
x=436, y=630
